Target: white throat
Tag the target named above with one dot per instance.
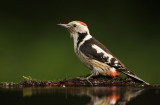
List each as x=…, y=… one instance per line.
x=75, y=40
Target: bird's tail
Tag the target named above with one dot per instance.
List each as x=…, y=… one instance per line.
x=132, y=75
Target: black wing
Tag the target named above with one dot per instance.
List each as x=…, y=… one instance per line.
x=87, y=49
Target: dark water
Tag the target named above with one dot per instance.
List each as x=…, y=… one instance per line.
x=80, y=96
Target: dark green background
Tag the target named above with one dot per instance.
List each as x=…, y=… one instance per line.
x=32, y=44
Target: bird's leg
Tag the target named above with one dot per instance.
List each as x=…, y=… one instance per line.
x=89, y=78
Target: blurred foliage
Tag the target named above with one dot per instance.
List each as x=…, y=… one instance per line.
x=32, y=44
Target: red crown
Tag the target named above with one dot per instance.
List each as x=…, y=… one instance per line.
x=81, y=23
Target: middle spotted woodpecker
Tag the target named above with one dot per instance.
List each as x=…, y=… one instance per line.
x=95, y=55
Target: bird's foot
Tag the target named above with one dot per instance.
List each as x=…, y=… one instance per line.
x=86, y=78
x=89, y=81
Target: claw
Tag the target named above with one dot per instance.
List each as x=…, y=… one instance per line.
x=87, y=79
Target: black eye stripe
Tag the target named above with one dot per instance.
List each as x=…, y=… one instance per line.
x=74, y=25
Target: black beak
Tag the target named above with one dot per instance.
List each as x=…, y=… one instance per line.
x=63, y=25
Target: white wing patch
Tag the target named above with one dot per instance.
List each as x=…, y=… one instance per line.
x=105, y=54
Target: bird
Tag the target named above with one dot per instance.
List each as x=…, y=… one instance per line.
x=94, y=55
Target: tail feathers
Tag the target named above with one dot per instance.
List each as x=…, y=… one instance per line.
x=134, y=77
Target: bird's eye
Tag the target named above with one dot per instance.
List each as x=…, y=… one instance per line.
x=74, y=25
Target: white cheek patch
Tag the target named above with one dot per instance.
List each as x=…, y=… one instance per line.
x=105, y=54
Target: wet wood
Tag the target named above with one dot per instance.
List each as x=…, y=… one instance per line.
x=99, y=81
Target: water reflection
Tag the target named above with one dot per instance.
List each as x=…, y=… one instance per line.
x=98, y=95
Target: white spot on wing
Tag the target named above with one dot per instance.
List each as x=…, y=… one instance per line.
x=116, y=64
x=116, y=61
x=105, y=54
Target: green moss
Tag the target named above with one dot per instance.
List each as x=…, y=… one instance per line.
x=27, y=78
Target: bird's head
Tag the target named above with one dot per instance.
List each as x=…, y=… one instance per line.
x=75, y=27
